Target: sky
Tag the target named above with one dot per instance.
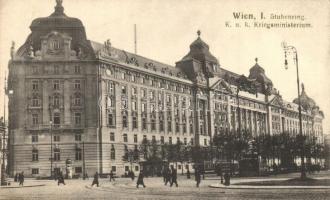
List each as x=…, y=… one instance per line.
x=165, y=29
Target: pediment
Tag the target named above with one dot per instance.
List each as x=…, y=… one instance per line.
x=221, y=85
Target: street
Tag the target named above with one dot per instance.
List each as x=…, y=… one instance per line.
x=124, y=188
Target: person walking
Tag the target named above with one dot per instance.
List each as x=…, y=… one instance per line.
x=197, y=177
x=140, y=180
x=96, y=179
x=112, y=176
x=167, y=175
x=188, y=174
x=132, y=175
x=227, y=179
x=174, y=176
x=60, y=179
x=21, y=178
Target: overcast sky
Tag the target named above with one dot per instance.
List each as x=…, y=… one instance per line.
x=165, y=29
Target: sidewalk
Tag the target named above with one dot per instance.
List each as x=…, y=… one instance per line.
x=234, y=186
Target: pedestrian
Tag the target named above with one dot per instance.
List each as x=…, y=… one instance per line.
x=167, y=175
x=21, y=178
x=188, y=174
x=140, y=180
x=60, y=179
x=16, y=177
x=174, y=176
x=132, y=175
x=112, y=176
x=227, y=179
x=96, y=179
x=197, y=177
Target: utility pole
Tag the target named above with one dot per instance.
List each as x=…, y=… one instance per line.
x=84, y=167
x=3, y=137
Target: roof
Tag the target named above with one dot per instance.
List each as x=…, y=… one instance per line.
x=139, y=61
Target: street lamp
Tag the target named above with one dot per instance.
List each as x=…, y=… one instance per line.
x=51, y=149
x=292, y=50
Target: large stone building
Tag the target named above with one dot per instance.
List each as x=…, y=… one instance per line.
x=73, y=98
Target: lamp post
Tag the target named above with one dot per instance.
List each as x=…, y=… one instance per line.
x=287, y=50
x=51, y=149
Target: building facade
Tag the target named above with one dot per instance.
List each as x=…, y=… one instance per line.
x=88, y=102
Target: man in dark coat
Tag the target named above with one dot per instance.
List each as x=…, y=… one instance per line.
x=188, y=174
x=167, y=176
x=174, y=176
x=60, y=179
x=112, y=176
x=197, y=177
x=227, y=179
x=21, y=178
x=132, y=175
x=140, y=180
x=96, y=179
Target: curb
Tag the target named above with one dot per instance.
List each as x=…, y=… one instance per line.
x=266, y=187
x=8, y=187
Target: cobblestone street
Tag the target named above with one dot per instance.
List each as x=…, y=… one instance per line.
x=126, y=189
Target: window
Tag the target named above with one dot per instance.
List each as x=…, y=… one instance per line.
x=135, y=126
x=152, y=95
x=153, y=124
x=113, y=153
x=56, y=69
x=144, y=123
x=144, y=107
x=35, y=156
x=126, y=168
x=169, y=126
x=34, y=137
x=35, y=85
x=133, y=78
x=35, y=101
x=134, y=106
x=35, y=171
x=144, y=93
x=125, y=137
x=112, y=136
x=34, y=69
x=123, y=89
x=177, y=140
x=205, y=142
x=56, y=101
x=124, y=121
x=77, y=137
x=57, y=155
x=144, y=137
x=56, y=84
x=77, y=84
x=77, y=101
x=154, y=138
x=111, y=119
x=177, y=127
x=170, y=140
x=113, y=168
x=77, y=69
x=123, y=75
x=136, y=168
x=35, y=119
x=78, y=154
x=134, y=91
x=135, y=138
x=57, y=119
x=56, y=138
x=179, y=167
x=161, y=125
x=78, y=170
x=77, y=118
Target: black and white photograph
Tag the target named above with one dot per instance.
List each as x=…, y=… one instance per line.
x=164, y=99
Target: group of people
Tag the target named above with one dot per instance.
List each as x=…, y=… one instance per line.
x=19, y=178
x=170, y=176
